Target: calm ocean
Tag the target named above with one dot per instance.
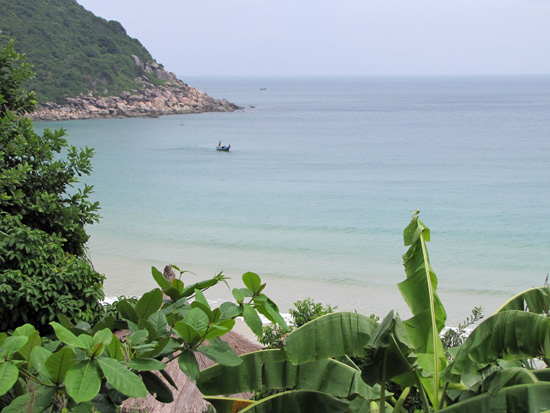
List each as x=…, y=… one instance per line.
x=320, y=182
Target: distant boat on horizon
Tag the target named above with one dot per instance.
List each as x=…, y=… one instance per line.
x=224, y=148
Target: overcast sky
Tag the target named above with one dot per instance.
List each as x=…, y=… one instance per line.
x=338, y=37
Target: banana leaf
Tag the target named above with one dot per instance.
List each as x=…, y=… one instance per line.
x=534, y=300
x=332, y=335
x=299, y=401
x=227, y=404
x=507, y=335
x=429, y=316
x=270, y=369
x=525, y=398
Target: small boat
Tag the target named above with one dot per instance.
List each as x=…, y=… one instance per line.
x=224, y=148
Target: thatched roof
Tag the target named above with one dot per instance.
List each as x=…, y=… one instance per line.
x=188, y=399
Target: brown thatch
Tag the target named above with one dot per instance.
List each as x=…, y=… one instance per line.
x=188, y=399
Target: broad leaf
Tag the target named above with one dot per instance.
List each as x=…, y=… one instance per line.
x=83, y=381
x=332, y=335
x=229, y=310
x=419, y=291
x=149, y=303
x=59, y=363
x=534, y=300
x=38, y=358
x=270, y=369
x=67, y=336
x=121, y=378
x=506, y=335
x=252, y=320
x=219, y=329
x=188, y=364
x=220, y=352
x=155, y=385
x=12, y=346
x=196, y=319
x=8, y=376
x=145, y=364
x=116, y=349
x=252, y=281
x=159, y=323
x=200, y=298
x=160, y=279
x=127, y=311
x=528, y=398
x=190, y=335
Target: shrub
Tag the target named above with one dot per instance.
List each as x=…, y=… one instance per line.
x=43, y=267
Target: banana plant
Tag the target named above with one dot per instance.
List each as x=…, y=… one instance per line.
x=486, y=374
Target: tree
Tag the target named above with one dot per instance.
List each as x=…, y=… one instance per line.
x=43, y=213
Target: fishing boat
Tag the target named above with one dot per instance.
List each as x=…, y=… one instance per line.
x=224, y=148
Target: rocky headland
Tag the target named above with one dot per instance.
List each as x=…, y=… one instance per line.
x=147, y=100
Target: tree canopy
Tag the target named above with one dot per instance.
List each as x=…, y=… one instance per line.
x=72, y=50
x=43, y=212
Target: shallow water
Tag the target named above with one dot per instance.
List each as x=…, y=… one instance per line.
x=320, y=182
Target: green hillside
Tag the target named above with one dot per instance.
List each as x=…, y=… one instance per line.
x=72, y=50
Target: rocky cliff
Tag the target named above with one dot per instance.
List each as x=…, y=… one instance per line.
x=175, y=97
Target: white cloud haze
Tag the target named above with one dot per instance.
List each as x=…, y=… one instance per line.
x=345, y=37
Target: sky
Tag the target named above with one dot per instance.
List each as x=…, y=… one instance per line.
x=338, y=37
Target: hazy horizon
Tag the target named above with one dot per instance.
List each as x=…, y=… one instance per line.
x=347, y=38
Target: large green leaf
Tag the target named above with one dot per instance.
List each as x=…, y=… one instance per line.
x=121, y=378
x=299, y=401
x=145, y=364
x=389, y=353
x=188, y=364
x=270, y=369
x=534, y=300
x=149, y=303
x=332, y=335
x=67, y=336
x=220, y=352
x=252, y=281
x=526, y=398
x=59, y=363
x=507, y=335
x=8, y=376
x=38, y=358
x=83, y=381
x=160, y=279
x=196, y=319
x=252, y=319
x=155, y=385
x=12, y=345
x=428, y=320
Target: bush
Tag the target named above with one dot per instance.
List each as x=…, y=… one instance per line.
x=43, y=267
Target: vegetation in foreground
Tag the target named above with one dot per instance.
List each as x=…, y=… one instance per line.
x=81, y=365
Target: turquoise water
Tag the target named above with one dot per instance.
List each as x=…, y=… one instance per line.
x=320, y=182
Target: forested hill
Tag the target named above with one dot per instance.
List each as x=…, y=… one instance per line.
x=72, y=50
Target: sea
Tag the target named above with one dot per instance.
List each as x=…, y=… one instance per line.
x=322, y=178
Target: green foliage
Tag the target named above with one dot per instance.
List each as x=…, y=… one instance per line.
x=303, y=312
x=72, y=50
x=490, y=372
x=90, y=368
x=43, y=268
